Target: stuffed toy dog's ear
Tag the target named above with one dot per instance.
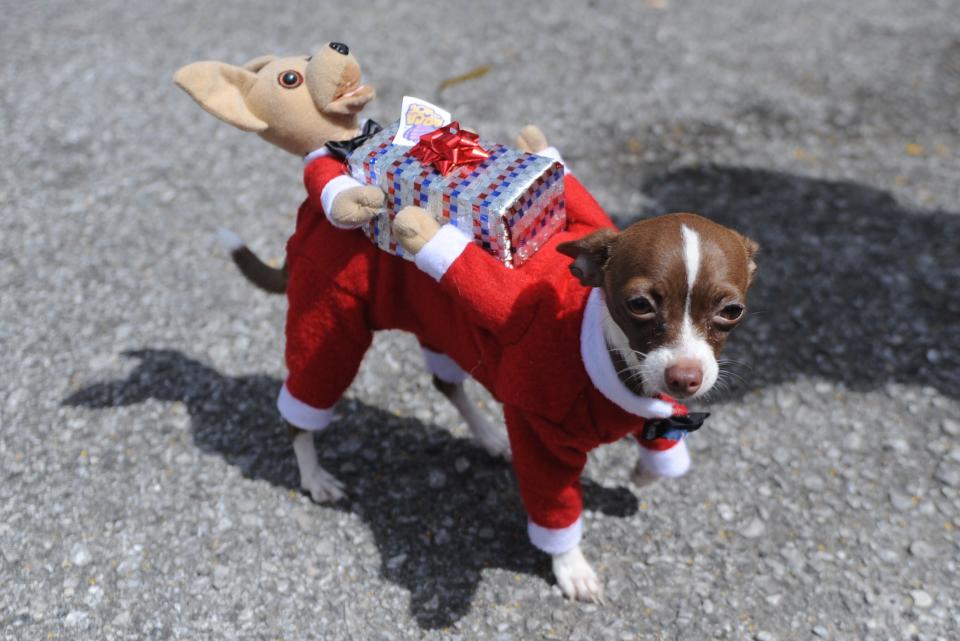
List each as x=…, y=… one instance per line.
x=259, y=63
x=590, y=255
x=221, y=89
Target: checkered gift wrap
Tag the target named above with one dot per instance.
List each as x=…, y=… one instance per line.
x=511, y=203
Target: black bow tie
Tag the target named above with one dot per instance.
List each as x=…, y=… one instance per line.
x=340, y=149
x=662, y=427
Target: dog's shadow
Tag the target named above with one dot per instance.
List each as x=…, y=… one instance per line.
x=440, y=509
x=853, y=287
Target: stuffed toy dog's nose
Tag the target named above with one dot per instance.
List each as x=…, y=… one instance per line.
x=340, y=48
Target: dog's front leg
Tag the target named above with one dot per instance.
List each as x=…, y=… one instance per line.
x=576, y=578
x=316, y=481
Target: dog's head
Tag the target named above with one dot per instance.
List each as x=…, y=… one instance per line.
x=298, y=103
x=675, y=286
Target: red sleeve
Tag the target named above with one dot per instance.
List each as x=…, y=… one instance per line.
x=584, y=213
x=548, y=472
x=318, y=173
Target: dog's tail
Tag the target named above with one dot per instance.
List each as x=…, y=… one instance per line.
x=269, y=279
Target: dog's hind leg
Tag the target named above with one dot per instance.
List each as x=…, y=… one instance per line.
x=448, y=378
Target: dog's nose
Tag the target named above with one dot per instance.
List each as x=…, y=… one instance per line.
x=339, y=47
x=684, y=377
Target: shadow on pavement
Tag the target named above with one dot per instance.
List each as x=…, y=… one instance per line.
x=853, y=286
x=436, y=529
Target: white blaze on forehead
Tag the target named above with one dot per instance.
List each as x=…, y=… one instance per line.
x=691, y=259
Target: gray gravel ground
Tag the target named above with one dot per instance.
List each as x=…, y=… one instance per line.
x=146, y=485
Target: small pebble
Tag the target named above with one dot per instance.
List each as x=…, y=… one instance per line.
x=80, y=555
x=921, y=599
x=950, y=427
x=948, y=475
x=461, y=465
x=437, y=479
x=820, y=631
x=753, y=529
x=922, y=550
x=900, y=500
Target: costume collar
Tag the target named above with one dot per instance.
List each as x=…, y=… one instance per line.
x=600, y=367
x=340, y=149
x=324, y=151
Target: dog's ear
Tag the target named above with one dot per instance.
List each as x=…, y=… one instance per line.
x=258, y=63
x=221, y=89
x=590, y=255
x=752, y=249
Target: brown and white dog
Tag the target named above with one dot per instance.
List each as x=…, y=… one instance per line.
x=651, y=313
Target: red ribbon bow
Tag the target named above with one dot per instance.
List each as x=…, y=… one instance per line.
x=449, y=147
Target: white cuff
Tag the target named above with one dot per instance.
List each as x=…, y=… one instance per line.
x=554, y=154
x=330, y=192
x=556, y=541
x=301, y=415
x=438, y=254
x=443, y=367
x=670, y=463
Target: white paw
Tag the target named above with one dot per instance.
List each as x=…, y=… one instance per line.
x=641, y=477
x=576, y=578
x=322, y=486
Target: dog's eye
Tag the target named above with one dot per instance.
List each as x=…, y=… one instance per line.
x=640, y=306
x=290, y=79
x=730, y=313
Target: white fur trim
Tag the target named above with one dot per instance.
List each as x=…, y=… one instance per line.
x=556, y=541
x=438, y=254
x=230, y=239
x=301, y=415
x=333, y=189
x=442, y=366
x=316, y=153
x=669, y=463
x=599, y=365
x=554, y=154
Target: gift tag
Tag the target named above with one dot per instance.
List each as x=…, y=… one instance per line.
x=418, y=117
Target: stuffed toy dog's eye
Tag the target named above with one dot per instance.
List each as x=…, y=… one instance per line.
x=640, y=306
x=290, y=79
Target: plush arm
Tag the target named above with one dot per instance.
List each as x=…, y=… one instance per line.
x=326, y=178
x=490, y=292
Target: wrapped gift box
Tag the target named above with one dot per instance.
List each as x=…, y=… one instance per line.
x=511, y=203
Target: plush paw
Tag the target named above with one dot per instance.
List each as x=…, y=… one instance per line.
x=357, y=205
x=322, y=486
x=576, y=578
x=532, y=140
x=414, y=227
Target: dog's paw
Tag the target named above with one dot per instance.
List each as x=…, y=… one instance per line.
x=322, y=486
x=576, y=578
x=494, y=442
x=532, y=140
x=642, y=477
x=357, y=205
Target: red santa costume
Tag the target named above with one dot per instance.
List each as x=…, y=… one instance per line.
x=532, y=336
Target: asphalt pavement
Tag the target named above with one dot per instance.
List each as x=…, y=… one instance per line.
x=147, y=487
